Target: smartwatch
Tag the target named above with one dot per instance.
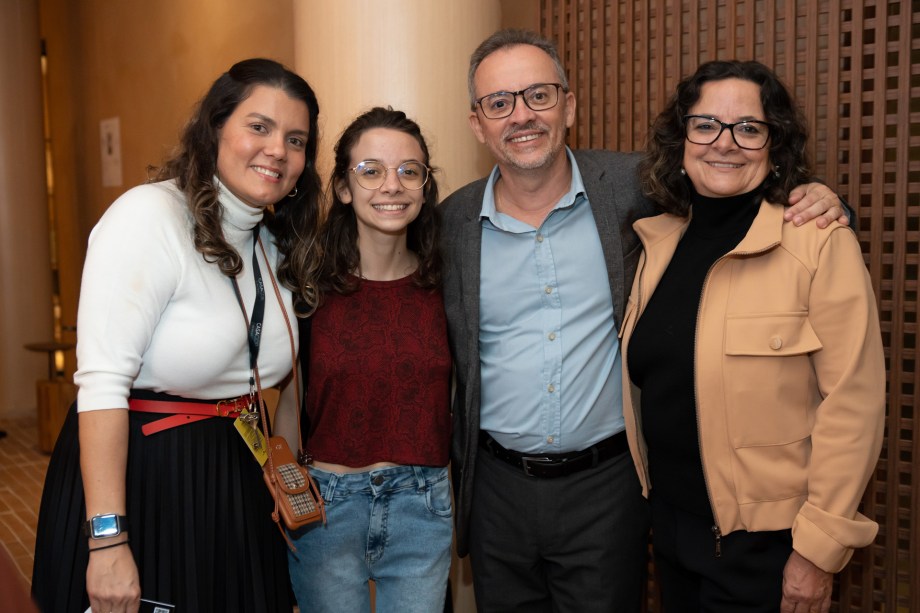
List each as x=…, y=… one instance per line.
x=105, y=526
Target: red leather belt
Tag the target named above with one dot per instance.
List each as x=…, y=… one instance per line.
x=181, y=413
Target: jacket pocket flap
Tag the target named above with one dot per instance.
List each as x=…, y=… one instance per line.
x=770, y=335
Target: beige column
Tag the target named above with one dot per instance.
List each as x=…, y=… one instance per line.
x=412, y=55
x=25, y=276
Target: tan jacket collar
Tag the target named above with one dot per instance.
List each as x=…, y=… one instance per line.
x=765, y=232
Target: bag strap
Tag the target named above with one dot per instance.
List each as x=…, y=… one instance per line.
x=257, y=381
x=304, y=329
x=276, y=516
x=287, y=322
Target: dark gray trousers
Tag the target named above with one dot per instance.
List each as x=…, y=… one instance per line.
x=575, y=544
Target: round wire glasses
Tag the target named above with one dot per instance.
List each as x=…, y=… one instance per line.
x=371, y=174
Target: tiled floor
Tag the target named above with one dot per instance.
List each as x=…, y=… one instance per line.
x=22, y=472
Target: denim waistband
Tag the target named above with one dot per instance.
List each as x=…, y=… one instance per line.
x=379, y=480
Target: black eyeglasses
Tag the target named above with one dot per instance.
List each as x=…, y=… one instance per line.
x=537, y=97
x=372, y=174
x=752, y=134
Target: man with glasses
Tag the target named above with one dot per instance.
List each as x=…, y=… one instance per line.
x=540, y=257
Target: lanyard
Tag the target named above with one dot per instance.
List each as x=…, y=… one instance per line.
x=258, y=310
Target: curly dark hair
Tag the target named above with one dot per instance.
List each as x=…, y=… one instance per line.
x=340, y=230
x=294, y=222
x=659, y=170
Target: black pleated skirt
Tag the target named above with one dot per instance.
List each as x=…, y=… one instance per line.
x=199, y=523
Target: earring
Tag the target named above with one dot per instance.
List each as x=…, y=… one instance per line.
x=683, y=172
x=776, y=172
x=293, y=193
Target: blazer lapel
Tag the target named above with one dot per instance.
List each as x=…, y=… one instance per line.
x=471, y=247
x=606, y=218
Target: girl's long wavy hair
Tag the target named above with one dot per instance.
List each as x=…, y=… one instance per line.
x=659, y=170
x=340, y=231
x=294, y=221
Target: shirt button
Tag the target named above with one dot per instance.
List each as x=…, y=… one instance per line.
x=551, y=388
x=548, y=290
x=551, y=336
x=377, y=480
x=776, y=343
x=549, y=439
x=539, y=238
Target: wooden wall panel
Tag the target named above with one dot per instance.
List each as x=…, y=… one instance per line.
x=854, y=67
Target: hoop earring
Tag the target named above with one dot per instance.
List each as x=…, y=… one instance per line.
x=293, y=193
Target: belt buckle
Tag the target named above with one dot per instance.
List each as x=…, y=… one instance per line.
x=527, y=460
x=226, y=408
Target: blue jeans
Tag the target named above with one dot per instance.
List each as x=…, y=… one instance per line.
x=390, y=525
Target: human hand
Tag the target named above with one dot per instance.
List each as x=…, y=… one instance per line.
x=112, y=581
x=815, y=200
x=806, y=588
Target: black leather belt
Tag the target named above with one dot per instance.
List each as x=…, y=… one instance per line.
x=549, y=465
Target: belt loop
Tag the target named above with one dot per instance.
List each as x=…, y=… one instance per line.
x=329, y=494
x=420, y=478
x=594, y=456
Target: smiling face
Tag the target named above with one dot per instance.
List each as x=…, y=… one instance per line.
x=526, y=139
x=261, y=151
x=389, y=209
x=723, y=168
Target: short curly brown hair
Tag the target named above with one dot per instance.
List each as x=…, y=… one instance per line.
x=659, y=170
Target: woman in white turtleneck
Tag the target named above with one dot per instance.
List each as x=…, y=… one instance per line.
x=167, y=501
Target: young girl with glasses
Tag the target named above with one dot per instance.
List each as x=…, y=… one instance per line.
x=377, y=366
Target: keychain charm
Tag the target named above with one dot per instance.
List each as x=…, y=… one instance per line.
x=250, y=416
x=245, y=425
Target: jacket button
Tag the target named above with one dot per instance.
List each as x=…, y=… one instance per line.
x=776, y=343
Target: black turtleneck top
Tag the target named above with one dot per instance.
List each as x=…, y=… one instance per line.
x=662, y=349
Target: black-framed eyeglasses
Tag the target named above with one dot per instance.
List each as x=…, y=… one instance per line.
x=752, y=134
x=537, y=97
x=371, y=174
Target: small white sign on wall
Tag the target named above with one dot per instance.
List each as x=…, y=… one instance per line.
x=110, y=140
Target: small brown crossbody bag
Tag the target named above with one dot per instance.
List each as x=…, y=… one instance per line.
x=298, y=501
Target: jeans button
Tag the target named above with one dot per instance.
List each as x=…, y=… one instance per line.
x=377, y=480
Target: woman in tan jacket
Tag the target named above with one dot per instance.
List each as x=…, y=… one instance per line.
x=753, y=362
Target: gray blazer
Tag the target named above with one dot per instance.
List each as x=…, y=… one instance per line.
x=616, y=201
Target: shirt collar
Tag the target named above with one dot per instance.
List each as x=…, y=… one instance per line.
x=569, y=199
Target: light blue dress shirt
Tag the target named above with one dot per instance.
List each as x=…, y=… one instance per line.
x=550, y=357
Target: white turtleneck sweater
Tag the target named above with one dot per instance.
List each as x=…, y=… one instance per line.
x=155, y=315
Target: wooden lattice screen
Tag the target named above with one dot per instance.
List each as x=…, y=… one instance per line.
x=854, y=66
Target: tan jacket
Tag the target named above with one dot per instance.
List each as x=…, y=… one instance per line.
x=790, y=380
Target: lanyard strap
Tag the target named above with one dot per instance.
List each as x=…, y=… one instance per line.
x=258, y=310
x=255, y=335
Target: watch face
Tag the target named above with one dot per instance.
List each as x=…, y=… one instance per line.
x=105, y=525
